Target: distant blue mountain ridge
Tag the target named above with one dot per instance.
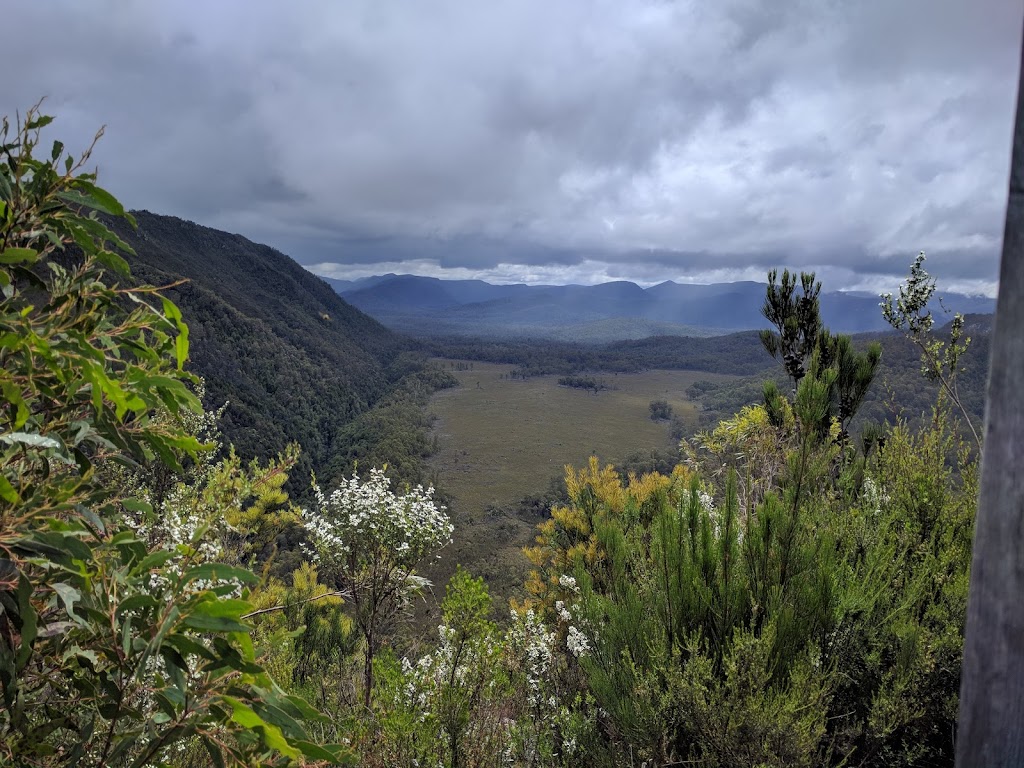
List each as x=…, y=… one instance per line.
x=429, y=306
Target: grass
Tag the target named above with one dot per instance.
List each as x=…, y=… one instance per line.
x=500, y=439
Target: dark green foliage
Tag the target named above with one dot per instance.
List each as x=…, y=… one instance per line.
x=823, y=629
x=806, y=347
x=737, y=354
x=294, y=362
x=702, y=624
x=660, y=410
x=899, y=390
x=940, y=359
x=796, y=319
x=394, y=432
x=582, y=382
x=115, y=650
x=854, y=373
x=642, y=463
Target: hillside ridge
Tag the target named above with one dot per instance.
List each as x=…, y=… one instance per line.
x=294, y=361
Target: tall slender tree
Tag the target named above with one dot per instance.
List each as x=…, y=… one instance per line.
x=807, y=348
x=797, y=321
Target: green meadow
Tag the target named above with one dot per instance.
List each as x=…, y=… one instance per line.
x=500, y=439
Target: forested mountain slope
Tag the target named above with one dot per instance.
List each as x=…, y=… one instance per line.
x=296, y=362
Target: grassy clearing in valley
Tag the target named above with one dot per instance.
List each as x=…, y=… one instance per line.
x=500, y=439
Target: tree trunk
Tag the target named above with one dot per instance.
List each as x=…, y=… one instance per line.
x=368, y=671
x=991, y=724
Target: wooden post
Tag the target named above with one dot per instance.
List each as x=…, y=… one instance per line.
x=991, y=725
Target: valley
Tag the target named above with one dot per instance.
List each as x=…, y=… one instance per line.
x=500, y=439
x=523, y=385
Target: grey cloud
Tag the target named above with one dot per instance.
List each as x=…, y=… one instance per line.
x=636, y=137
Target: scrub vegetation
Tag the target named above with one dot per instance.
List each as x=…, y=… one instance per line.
x=787, y=590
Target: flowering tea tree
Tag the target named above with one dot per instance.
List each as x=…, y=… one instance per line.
x=368, y=540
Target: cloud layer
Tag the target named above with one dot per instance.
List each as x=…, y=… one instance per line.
x=549, y=142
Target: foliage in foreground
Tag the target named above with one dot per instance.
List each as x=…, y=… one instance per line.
x=783, y=597
x=123, y=640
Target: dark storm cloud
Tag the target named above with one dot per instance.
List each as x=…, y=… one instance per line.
x=572, y=141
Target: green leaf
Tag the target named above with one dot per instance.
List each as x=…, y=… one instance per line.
x=171, y=311
x=28, y=620
x=113, y=262
x=126, y=637
x=176, y=666
x=38, y=122
x=26, y=438
x=18, y=256
x=69, y=596
x=277, y=716
x=272, y=736
x=98, y=231
x=151, y=561
x=82, y=653
x=168, y=623
x=213, y=750
x=218, y=615
x=7, y=492
x=304, y=709
x=181, y=348
x=90, y=196
x=135, y=603
x=137, y=505
x=12, y=394
x=187, y=646
x=159, y=444
x=335, y=754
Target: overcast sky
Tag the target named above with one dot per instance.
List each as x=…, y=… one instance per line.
x=549, y=140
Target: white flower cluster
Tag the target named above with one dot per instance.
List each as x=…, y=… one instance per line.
x=577, y=642
x=535, y=646
x=563, y=613
x=565, y=581
x=185, y=525
x=706, y=502
x=875, y=497
x=361, y=513
x=178, y=521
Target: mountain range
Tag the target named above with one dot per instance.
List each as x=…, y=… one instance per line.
x=428, y=306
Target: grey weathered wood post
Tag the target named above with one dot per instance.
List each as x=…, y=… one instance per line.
x=991, y=725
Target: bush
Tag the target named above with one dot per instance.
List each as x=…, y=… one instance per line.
x=660, y=410
x=115, y=648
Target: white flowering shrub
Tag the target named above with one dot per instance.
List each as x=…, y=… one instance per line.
x=368, y=540
x=483, y=697
x=364, y=520
x=447, y=707
x=533, y=645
